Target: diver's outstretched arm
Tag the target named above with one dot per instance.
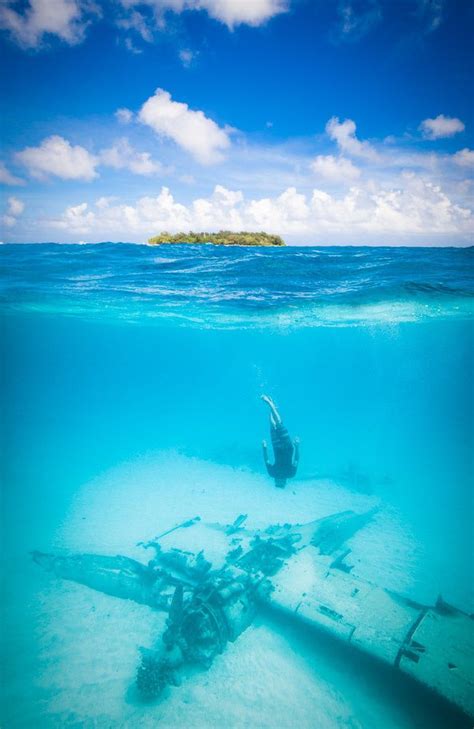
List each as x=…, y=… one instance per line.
x=275, y=415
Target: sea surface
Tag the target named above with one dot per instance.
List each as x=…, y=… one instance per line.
x=131, y=378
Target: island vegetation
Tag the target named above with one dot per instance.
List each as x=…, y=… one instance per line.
x=222, y=238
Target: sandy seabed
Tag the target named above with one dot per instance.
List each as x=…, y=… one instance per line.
x=76, y=663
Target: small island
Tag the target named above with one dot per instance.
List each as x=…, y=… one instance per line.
x=222, y=238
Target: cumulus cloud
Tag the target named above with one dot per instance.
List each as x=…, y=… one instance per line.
x=419, y=207
x=15, y=207
x=64, y=19
x=8, y=221
x=105, y=201
x=34, y=21
x=192, y=130
x=57, y=157
x=7, y=178
x=124, y=116
x=236, y=12
x=123, y=156
x=77, y=218
x=344, y=134
x=334, y=169
x=416, y=206
x=464, y=158
x=229, y=12
x=287, y=212
x=441, y=126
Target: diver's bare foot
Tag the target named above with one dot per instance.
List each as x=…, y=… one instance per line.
x=267, y=399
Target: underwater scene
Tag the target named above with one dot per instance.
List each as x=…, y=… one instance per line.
x=162, y=568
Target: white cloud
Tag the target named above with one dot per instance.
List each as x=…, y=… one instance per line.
x=15, y=207
x=288, y=212
x=186, y=56
x=78, y=219
x=191, y=130
x=380, y=156
x=124, y=220
x=240, y=12
x=7, y=178
x=123, y=156
x=416, y=207
x=65, y=19
x=464, y=158
x=130, y=46
x=104, y=202
x=229, y=12
x=441, y=126
x=343, y=133
x=222, y=206
x=58, y=157
x=138, y=23
x=124, y=116
x=334, y=169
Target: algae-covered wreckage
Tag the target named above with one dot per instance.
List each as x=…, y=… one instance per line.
x=302, y=570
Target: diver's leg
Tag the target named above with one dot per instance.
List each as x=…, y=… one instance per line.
x=273, y=410
x=281, y=441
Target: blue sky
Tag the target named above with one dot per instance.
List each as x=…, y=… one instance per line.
x=327, y=121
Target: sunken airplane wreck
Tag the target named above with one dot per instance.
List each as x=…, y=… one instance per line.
x=301, y=570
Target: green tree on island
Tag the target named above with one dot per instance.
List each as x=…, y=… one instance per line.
x=222, y=238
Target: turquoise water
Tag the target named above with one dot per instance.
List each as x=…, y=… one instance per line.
x=116, y=356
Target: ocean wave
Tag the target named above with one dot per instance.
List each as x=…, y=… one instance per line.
x=222, y=287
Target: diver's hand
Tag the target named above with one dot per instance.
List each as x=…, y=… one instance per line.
x=296, y=441
x=264, y=445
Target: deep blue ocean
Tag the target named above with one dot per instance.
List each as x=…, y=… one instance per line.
x=116, y=355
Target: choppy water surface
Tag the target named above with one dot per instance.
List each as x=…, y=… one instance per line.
x=216, y=286
x=131, y=383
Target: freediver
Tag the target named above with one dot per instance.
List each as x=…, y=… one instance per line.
x=285, y=451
